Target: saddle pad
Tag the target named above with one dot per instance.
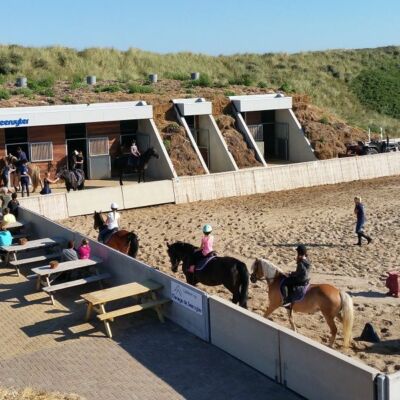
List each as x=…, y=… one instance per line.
x=203, y=263
x=298, y=292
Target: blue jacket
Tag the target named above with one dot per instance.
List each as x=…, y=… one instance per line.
x=5, y=238
x=359, y=209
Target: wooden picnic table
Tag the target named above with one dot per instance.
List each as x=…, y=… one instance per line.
x=46, y=275
x=13, y=249
x=97, y=301
x=14, y=225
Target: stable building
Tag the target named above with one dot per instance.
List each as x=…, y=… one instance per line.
x=269, y=122
x=50, y=134
x=196, y=117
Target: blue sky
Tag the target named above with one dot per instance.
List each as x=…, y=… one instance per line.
x=206, y=26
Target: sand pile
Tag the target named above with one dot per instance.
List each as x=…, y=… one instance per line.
x=242, y=154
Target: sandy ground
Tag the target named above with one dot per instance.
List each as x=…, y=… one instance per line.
x=271, y=225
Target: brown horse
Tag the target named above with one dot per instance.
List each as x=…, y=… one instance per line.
x=14, y=180
x=123, y=241
x=331, y=301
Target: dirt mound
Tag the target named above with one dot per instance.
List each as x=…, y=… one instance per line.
x=179, y=148
x=327, y=134
x=241, y=153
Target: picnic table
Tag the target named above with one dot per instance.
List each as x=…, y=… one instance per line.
x=145, y=290
x=14, y=249
x=45, y=275
x=14, y=225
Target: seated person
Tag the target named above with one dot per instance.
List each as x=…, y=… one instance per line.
x=69, y=254
x=5, y=197
x=5, y=235
x=13, y=205
x=8, y=217
x=84, y=250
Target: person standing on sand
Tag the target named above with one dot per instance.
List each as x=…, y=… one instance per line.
x=360, y=215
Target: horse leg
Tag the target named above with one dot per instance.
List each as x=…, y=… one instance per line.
x=332, y=326
x=120, y=177
x=291, y=319
x=270, y=309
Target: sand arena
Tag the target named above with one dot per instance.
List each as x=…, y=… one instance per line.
x=270, y=225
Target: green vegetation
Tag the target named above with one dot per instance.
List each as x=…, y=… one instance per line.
x=135, y=88
x=43, y=86
x=359, y=86
x=379, y=90
x=4, y=94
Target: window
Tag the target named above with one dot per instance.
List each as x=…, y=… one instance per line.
x=129, y=126
x=98, y=146
x=41, y=151
x=75, y=131
x=16, y=135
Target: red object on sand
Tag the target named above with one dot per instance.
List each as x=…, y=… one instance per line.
x=392, y=283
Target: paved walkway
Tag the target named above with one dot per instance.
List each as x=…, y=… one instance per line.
x=48, y=347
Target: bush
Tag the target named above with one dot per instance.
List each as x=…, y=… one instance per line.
x=262, y=85
x=6, y=67
x=203, y=81
x=172, y=128
x=26, y=92
x=324, y=120
x=167, y=144
x=134, y=88
x=286, y=87
x=229, y=93
x=113, y=88
x=177, y=76
x=4, y=94
x=41, y=84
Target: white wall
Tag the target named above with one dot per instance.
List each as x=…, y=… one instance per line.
x=220, y=157
x=161, y=168
x=300, y=149
x=393, y=386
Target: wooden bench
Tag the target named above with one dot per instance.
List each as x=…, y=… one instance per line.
x=132, y=309
x=33, y=260
x=77, y=282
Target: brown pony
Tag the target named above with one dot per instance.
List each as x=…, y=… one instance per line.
x=331, y=301
x=123, y=241
x=33, y=170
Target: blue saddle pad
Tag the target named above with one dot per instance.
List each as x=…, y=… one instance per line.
x=201, y=264
x=297, y=292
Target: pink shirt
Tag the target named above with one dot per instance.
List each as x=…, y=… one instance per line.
x=84, y=252
x=207, y=244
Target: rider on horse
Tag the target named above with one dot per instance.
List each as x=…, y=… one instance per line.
x=134, y=155
x=300, y=277
x=206, y=247
x=112, y=223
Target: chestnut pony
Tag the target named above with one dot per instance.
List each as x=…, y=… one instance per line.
x=122, y=240
x=331, y=301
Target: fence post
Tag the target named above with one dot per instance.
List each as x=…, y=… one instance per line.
x=381, y=387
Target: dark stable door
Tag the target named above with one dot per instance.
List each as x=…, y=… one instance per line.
x=268, y=120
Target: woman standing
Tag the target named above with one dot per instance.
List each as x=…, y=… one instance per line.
x=23, y=170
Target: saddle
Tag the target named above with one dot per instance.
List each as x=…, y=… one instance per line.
x=105, y=235
x=202, y=263
x=133, y=161
x=295, y=294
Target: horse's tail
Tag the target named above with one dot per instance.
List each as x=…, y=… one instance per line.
x=133, y=244
x=347, y=317
x=244, y=285
x=35, y=176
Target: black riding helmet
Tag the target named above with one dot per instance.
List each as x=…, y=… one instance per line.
x=301, y=250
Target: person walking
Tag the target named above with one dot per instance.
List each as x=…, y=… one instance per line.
x=359, y=212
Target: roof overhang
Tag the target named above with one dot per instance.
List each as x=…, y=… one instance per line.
x=74, y=114
x=196, y=106
x=262, y=102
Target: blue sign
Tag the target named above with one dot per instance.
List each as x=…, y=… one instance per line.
x=14, y=122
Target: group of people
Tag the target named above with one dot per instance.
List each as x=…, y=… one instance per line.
x=81, y=253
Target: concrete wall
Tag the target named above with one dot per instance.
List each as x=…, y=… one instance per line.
x=248, y=137
x=308, y=368
x=246, y=336
x=195, y=106
x=161, y=168
x=63, y=205
x=300, y=149
x=318, y=372
x=220, y=157
x=125, y=269
x=261, y=102
x=393, y=386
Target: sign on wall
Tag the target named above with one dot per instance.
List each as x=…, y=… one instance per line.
x=186, y=297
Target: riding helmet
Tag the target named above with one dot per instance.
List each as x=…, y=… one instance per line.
x=301, y=249
x=114, y=206
x=207, y=228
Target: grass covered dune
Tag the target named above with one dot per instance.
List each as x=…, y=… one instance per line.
x=360, y=86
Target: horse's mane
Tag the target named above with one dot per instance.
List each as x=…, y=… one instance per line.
x=183, y=245
x=265, y=263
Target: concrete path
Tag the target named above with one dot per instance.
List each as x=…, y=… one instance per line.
x=48, y=347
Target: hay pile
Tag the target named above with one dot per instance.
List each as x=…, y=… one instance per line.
x=179, y=148
x=244, y=157
x=32, y=394
x=327, y=134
